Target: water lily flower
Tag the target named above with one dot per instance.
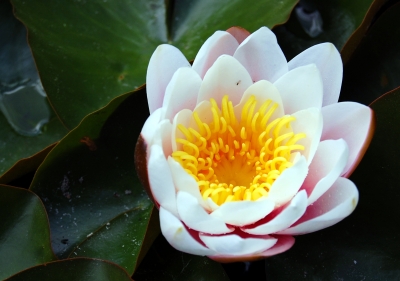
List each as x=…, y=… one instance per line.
x=242, y=150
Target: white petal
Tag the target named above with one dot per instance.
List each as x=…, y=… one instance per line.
x=262, y=91
x=261, y=55
x=178, y=236
x=226, y=77
x=353, y=122
x=289, y=215
x=288, y=183
x=232, y=244
x=327, y=58
x=165, y=60
x=160, y=179
x=183, y=117
x=301, y=88
x=336, y=204
x=162, y=136
x=308, y=121
x=240, y=213
x=184, y=182
x=148, y=127
x=195, y=217
x=181, y=92
x=220, y=43
x=326, y=167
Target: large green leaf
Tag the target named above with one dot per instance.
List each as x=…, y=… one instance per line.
x=24, y=231
x=165, y=263
x=340, y=19
x=90, y=188
x=374, y=67
x=88, y=52
x=365, y=246
x=79, y=269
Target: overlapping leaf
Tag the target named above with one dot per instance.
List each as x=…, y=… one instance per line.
x=24, y=231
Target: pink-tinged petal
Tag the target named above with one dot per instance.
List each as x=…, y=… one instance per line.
x=261, y=55
x=226, y=77
x=327, y=58
x=308, y=121
x=162, y=136
x=262, y=90
x=284, y=243
x=288, y=183
x=233, y=244
x=352, y=122
x=181, y=92
x=220, y=43
x=327, y=165
x=336, y=204
x=240, y=213
x=289, y=215
x=183, y=117
x=239, y=33
x=179, y=237
x=165, y=60
x=148, y=127
x=184, y=182
x=195, y=217
x=161, y=183
x=301, y=88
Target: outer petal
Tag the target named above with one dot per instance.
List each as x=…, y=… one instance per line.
x=336, y=204
x=288, y=183
x=239, y=33
x=178, y=236
x=328, y=60
x=354, y=123
x=162, y=136
x=161, y=184
x=326, y=167
x=226, y=76
x=148, y=127
x=262, y=90
x=261, y=55
x=165, y=60
x=284, y=243
x=233, y=244
x=240, y=213
x=289, y=215
x=195, y=217
x=220, y=43
x=184, y=182
x=181, y=92
x=310, y=122
x=301, y=88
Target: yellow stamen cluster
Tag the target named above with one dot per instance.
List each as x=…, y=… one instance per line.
x=234, y=160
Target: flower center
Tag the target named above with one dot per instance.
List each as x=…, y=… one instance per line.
x=235, y=158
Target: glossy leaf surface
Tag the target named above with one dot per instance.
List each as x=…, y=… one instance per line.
x=24, y=231
x=89, y=185
x=89, y=52
x=165, y=263
x=79, y=269
x=365, y=245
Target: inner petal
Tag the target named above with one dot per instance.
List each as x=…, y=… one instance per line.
x=236, y=157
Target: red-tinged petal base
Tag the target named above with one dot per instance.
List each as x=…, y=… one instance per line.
x=284, y=243
x=239, y=33
x=141, y=166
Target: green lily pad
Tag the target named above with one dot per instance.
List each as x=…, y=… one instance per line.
x=365, y=245
x=122, y=244
x=165, y=263
x=88, y=52
x=79, y=269
x=374, y=67
x=89, y=185
x=24, y=231
x=340, y=20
